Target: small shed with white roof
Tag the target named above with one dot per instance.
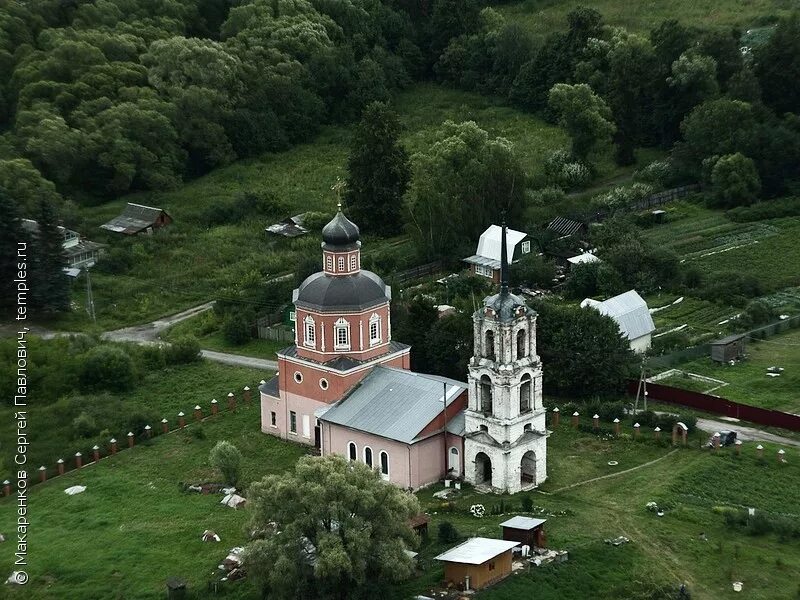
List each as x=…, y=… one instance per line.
x=477, y=562
x=525, y=530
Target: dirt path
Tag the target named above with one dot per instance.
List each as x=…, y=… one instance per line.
x=240, y=361
x=149, y=332
x=746, y=434
x=617, y=474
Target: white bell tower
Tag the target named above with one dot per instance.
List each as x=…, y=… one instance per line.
x=505, y=445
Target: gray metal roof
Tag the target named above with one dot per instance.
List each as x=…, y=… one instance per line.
x=457, y=425
x=526, y=523
x=483, y=261
x=134, y=218
x=630, y=312
x=335, y=293
x=565, y=226
x=394, y=403
x=289, y=227
x=270, y=388
x=728, y=339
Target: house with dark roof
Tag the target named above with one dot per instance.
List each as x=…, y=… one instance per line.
x=631, y=313
x=137, y=218
x=345, y=386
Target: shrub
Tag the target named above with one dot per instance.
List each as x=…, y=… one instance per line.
x=152, y=357
x=235, y=329
x=226, y=458
x=116, y=261
x=185, y=349
x=527, y=504
x=735, y=180
x=84, y=425
x=772, y=209
x=448, y=533
x=562, y=170
x=623, y=196
x=548, y=196
x=659, y=173
x=107, y=367
x=315, y=221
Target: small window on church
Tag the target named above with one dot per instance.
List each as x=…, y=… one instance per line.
x=341, y=332
x=374, y=329
x=329, y=263
x=384, y=464
x=353, y=262
x=483, y=427
x=341, y=264
x=352, y=451
x=310, y=338
x=368, y=456
x=522, y=350
x=273, y=419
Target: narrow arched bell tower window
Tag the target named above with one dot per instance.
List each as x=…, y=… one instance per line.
x=522, y=346
x=489, y=348
x=486, y=395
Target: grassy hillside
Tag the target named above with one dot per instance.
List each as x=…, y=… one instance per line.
x=544, y=16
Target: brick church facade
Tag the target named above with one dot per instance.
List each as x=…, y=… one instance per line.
x=345, y=386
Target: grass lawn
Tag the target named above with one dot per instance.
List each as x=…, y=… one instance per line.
x=664, y=551
x=162, y=393
x=132, y=527
x=748, y=381
x=545, y=16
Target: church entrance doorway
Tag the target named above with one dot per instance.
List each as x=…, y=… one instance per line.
x=483, y=469
x=528, y=468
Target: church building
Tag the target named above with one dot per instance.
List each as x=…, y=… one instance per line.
x=345, y=386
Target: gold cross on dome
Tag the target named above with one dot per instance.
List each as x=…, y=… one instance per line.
x=338, y=188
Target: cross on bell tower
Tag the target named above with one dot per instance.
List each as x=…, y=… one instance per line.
x=505, y=440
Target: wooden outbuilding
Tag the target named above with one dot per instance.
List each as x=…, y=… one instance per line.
x=525, y=530
x=137, y=218
x=477, y=562
x=419, y=524
x=728, y=348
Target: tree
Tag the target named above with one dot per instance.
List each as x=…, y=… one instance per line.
x=108, y=368
x=226, y=458
x=777, y=65
x=532, y=270
x=735, y=180
x=342, y=531
x=583, y=352
x=411, y=321
x=235, y=329
x=378, y=172
x=467, y=174
x=50, y=288
x=11, y=235
x=25, y=186
x=584, y=115
x=448, y=346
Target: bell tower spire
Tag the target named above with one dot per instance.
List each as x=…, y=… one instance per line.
x=504, y=262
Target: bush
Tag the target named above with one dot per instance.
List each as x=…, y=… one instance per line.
x=226, y=458
x=235, y=329
x=527, y=504
x=182, y=350
x=772, y=209
x=563, y=171
x=84, y=425
x=152, y=357
x=659, y=173
x=315, y=221
x=448, y=533
x=548, y=196
x=116, y=261
x=107, y=367
x=735, y=180
x=622, y=197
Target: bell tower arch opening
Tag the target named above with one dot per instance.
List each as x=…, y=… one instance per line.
x=522, y=344
x=486, y=394
x=525, y=393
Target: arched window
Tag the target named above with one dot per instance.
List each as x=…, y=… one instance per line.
x=368, y=456
x=453, y=463
x=329, y=263
x=489, y=348
x=353, y=262
x=352, y=451
x=374, y=329
x=486, y=395
x=384, y=464
x=525, y=393
x=341, y=334
x=310, y=338
x=483, y=427
x=522, y=347
x=528, y=427
x=341, y=264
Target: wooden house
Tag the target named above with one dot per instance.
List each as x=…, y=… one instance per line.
x=486, y=260
x=79, y=252
x=525, y=530
x=728, y=348
x=477, y=562
x=137, y=218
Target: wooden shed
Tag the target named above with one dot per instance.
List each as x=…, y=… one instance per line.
x=525, y=530
x=728, y=348
x=137, y=218
x=477, y=562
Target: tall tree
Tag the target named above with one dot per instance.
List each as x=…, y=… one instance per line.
x=778, y=66
x=11, y=234
x=49, y=284
x=461, y=185
x=378, y=172
x=585, y=116
x=342, y=531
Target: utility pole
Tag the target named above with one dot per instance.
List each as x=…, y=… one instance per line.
x=444, y=427
x=89, y=297
x=642, y=387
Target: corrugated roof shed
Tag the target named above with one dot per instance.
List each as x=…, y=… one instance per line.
x=290, y=227
x=394, y=403
x=564, y=226
x=630, y=312
x=476, y=551
x=135, y=218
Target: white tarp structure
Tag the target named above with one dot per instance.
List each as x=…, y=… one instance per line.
x=233, y=500
x=75, y=489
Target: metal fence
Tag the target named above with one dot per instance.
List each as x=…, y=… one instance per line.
x=718, y=405
x=417, y=272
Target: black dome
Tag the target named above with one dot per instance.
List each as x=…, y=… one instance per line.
x=328, y=293
x=341, y=231
x=506, y=305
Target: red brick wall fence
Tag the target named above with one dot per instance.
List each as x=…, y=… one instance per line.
x=720, y=406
